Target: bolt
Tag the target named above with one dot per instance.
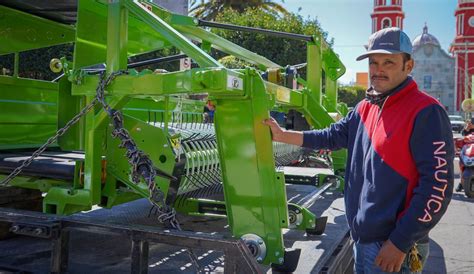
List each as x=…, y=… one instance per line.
x=38, y=231
x=280, y=260
x=139, y=129
x=277, y=253
x=259, y=260
x=260, y=242
x=15, y=228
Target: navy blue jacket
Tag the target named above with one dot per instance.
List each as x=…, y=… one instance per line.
x=399, y=174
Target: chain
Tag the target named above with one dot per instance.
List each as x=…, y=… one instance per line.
x=51, y=140
x=142, y=166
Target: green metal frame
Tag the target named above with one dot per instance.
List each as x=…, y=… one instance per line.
x=29, y=112
x=255, y=195
x=22, y=31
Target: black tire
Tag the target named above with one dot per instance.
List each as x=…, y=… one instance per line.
x=469, y=188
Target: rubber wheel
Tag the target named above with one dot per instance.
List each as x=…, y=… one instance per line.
x=468, y=188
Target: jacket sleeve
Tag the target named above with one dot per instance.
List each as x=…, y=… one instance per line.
x=432, y=149
x=333, y=137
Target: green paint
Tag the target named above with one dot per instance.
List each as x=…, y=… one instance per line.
x=255, y=195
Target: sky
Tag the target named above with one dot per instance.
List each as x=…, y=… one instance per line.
x=349, y=23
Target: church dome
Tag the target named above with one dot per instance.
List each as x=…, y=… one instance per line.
x=425, y=39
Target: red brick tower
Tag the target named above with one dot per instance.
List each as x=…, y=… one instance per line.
x=463, y=50
x=387, y=13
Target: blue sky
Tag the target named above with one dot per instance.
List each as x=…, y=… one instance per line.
x=349, y=23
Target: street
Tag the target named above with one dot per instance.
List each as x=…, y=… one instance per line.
x=452, y=240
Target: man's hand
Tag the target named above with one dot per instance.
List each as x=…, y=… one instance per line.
x=390, y=258
x=282, y=135
x=277, y=131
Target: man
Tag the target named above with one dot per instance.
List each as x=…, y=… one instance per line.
x=467, y=130
x=208, y=114
x=399, y=173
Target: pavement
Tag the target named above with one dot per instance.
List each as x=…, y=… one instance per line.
x=451, y=246
x=452, y=240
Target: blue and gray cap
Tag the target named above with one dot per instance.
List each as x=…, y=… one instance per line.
x=388, y=41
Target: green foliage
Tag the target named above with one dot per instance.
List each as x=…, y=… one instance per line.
x=231, y=62
x=210, y=9
x=35, y=63
x=281, y=51
x=351, y=95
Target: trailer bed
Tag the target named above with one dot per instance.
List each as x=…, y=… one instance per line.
x=92, y=252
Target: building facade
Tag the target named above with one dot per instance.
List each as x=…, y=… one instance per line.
x=362, y=79
x=387, y=13
x=463, y=50
x=434, y=69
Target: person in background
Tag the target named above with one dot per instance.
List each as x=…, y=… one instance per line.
x=468, y=128
x=208, y=115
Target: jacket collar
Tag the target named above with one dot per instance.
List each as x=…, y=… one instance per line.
x=394, y=94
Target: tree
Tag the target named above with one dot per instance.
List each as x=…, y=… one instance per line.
x=232, y=62
x=210, y=9
x=281, y=51
x=35, y=63
x=351, y=95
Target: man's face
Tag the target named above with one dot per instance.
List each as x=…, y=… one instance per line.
x=387, y=71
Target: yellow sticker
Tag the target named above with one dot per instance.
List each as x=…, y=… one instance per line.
x=175, y=143
x=283, y=95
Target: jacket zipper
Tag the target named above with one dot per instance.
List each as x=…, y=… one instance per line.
x=378, y=117
x=371, y=147
x=375, y=128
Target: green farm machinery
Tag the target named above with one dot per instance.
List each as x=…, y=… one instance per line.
x=106, y=133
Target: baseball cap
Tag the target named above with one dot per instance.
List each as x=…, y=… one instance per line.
x=388, y=41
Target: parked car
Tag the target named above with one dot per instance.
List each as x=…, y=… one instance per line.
x=457, y=123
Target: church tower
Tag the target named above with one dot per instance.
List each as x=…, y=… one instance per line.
x=463, y=50
x=387, y=13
